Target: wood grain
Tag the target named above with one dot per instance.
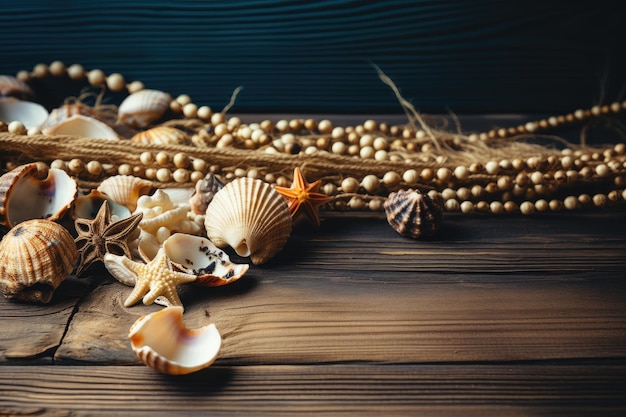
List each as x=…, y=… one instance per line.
x=487, y=289
x=359, y=389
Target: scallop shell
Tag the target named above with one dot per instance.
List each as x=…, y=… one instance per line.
x=204, y=192
x=198, y=256
x=35, y=257
x=143, y=107
x=161, y=135
x=163, y=342
x=87, y=206
x=251, y=217
x=23, y=196
x=66, y=111
x=125, y=189
x=11, y=86
x=32, y=115
x=413, y=214
x=83, y=126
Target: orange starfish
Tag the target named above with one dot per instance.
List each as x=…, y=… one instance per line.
x=301, y=194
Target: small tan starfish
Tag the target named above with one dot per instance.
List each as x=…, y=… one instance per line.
x=151, y=280
x=99, y=236
x=301, y=194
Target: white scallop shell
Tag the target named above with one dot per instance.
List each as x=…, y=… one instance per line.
x=198, y=256
x=143, y=107
x=161, y=135
x=23, y=196
x=125, y=189
x=163, y=342
x=83, y=126
x=32, y=115
x=251, y=217
x=12, y=86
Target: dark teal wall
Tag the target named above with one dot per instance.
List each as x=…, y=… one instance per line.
x=297, y=56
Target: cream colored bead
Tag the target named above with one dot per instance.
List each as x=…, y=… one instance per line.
x=146, y=158
x=17, y=128
x=94, y=168
x=602, y=170
x=370, y=183
x=162, y=158
x=492, y=167
x=599, y=200
x=527, y=207
x=356, y=203
x=370, y=125
x=570, y=203
x=181, y=160
x=375, y=204
x=76, y=72
x=116, y=82
x=366, y=140
x=217, y=118
x=181, y=175
x=541, y=205
x=57, y=68
x=463, y=193
x=367, y=152
x=448, y=194
x=353, y=138
x=354, y=150
x=240, y=172
x=325, y=126
x=391, y=179
x=190, y=110
x=175, y=107
x=338, y=133
x=135, y=86
x=338, y=148
x=452, y=205
x=536, y=177
x=461, y=172
x=510, y=206
x=427, y=174
x=125, y=169
x=584, y=199
x=40, y=71
x=96, y=77
x=496, y=207
x=444, y=174
x=59, y=164
x=221, y=129
x=204, y=112
x=477, y=190
x=76, y=166
x=350, y=185
x=164, y=175
x=556, y=205
x=504, y=183
x=151, y=173
x=196, y=176
x=410, y=176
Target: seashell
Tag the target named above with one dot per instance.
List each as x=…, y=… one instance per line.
x=66, y=111
x=35, y=257
x=23, y=196
x=32, y=115
x=179, y=195
x=143, y=107
x=83, y=126
x=413, y=214
x=125, y=189
x=14, y=87
x=251, y=217
x=161, y=135
x=87, y=206
x=198, y=256
x=204, y=192
x=163, y=342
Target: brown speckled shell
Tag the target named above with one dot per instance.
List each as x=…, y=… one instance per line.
x=35, y=257
x=413, y=214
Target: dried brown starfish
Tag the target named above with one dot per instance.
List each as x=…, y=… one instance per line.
x=100, y=236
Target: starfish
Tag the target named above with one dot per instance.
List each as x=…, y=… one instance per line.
x=152, y=280
x=98, y=236
x=302, y=195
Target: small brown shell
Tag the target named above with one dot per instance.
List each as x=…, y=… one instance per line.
x=35, y=257
x=162, y=342
x=125, y=189
x=23, y=196
x=143, y=107
x=161, y=135
x=413, y=214
x=251, y=217
x=204, y=192
x=14, y=87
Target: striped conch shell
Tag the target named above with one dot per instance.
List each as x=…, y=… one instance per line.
x=251, y=217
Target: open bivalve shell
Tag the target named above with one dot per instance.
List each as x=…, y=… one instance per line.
x=32, y=115
x=35, y=257
x=125, y=189
x=24, y=196
x=83, y=126
x=163, y=342
x=140, y=109
x=251, y=217
x=198, y=256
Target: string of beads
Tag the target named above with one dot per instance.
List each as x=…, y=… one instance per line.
x=475, y=172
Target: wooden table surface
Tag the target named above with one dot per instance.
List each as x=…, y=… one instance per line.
x=496, y=315
x=506, y=315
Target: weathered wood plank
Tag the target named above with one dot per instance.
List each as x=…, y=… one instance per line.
x=485, y=390
x=487, y=289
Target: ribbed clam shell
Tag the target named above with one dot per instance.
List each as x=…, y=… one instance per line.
x=11, y=86
x=23, y=196
x=35, y=257
x=163, y=342
x=198, y=256
x=413, y=214
x=251, y=217
x=161, y=135
x=32, y=115
x=83, y=126
x=125, y=189
x=143, y=107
